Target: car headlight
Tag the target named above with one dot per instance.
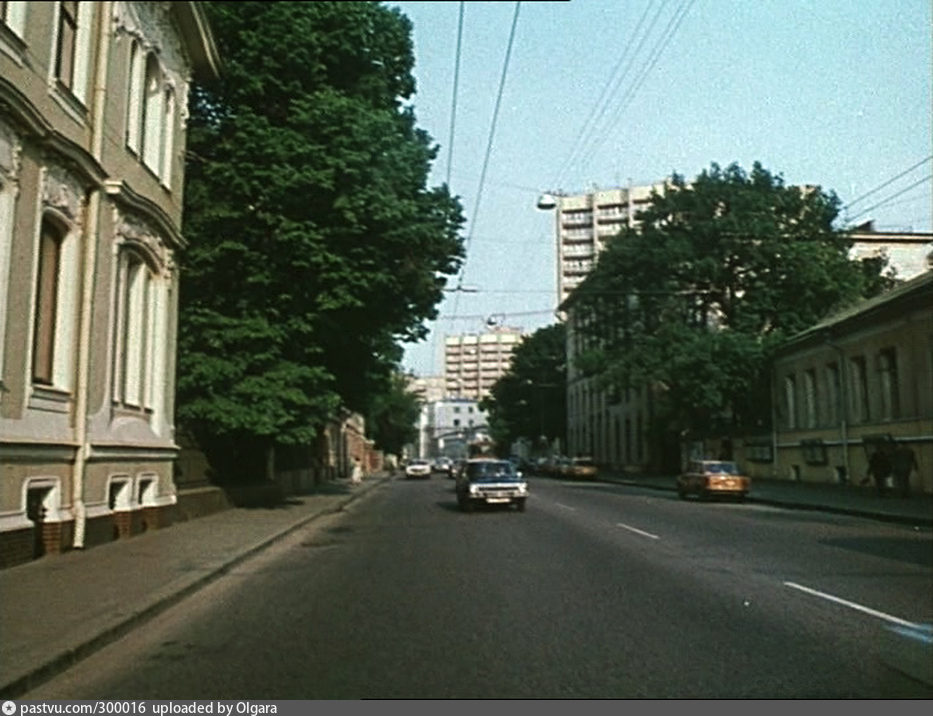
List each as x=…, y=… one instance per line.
x=474, y=489
x=522, y=488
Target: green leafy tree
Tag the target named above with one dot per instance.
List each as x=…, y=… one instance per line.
x=393, y=416
x=530, y=400
x=315, y=245
x=719, y=273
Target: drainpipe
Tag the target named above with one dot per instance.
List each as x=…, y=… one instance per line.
x=87, y=282
x=842, y=406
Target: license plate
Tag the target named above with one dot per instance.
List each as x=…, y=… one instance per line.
x=497, y=500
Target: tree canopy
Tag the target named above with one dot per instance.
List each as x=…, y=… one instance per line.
x=315, y=245
x=530, y=400
x=719, y=272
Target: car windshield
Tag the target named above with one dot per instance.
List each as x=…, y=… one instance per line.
x=491, y=470
x=727, y=468
x=418, y=462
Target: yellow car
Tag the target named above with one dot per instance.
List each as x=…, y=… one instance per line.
x=706, y=478
x=581, y=468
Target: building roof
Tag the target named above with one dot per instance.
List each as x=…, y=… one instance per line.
x=198, y=39
x=917, y=291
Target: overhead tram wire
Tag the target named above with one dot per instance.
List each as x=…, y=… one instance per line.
x=450, y=140
x=489, y=143
x=453, y=98
x=592, y=133
x=602, y=95
x=667, y=35
x=887, y=183
x=884, y=201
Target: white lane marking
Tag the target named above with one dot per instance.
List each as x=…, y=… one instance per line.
x=566, y=507
x=637, y=531
x=853, y=605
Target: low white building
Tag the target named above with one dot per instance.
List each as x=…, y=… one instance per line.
x=446, y=426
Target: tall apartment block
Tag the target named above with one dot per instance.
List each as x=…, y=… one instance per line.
x=585, y=222
x=474, y=362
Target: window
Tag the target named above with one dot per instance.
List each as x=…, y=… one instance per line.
x=890, y=398
x=809, y=387
x=168, y=137
x=138, y=350
x=67, y=41
x=832, y=393
x=859, y=392
x=13, y=16
x=790, y=402
x=46, y=318
x=152, y=115
x=134, y=104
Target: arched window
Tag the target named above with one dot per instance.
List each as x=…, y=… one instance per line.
x=138, y=350
x=152, y=115
x=134, y=104
x=46, y=317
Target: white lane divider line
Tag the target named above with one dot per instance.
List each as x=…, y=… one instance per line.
x=637, y=531
x=853, y=605
x=566, y=507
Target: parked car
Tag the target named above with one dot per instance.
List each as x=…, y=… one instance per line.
x=582, y=468
x=418, y=468
x=707, y=478
x=490, y=482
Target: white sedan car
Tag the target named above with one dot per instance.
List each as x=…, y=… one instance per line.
x=418, y=468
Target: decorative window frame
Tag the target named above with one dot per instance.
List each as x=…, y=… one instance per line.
x=73, y=99
x=63, y=202
x=135, y=240
x=10, y=151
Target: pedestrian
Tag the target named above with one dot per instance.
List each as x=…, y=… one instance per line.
x=879, y=468
x=903, y=463
x=356, y=475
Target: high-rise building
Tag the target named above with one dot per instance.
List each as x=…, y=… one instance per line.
x=585, y=222
x=474, y=362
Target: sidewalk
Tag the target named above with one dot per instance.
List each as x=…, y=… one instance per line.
x=916, y=510
x=57, y=610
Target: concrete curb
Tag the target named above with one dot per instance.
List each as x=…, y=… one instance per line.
x=796, y=505
x=68, y=658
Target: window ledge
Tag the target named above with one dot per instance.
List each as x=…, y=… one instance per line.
x=67, y=100
x=13, y=45
x=49, y=399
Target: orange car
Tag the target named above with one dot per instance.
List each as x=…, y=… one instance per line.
x=706, y=478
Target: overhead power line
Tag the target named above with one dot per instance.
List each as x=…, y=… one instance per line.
x=453, y=99
x=885, y=201
x=489, y=142
x=887, y=183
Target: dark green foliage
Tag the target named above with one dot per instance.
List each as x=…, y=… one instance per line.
x=315, y=246
x=530, y=400
x=393, y=416
x=720, y=272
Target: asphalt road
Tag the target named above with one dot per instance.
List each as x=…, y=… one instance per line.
x=597, y=591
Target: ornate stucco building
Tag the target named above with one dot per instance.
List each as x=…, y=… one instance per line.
x=93, y=109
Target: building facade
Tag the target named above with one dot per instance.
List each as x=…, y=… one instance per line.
x=93, y=107
x=474, y=362
x=854, y=383
x=585, y=222
x=447, y=426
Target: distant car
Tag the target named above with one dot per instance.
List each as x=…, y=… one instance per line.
x=490, y=482
x=418, y=468
x=581, y=468
x=707, y=478
x=443, y=465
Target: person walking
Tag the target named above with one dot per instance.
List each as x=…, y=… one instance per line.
x=903, y=463
x=356, y=475
x=879, y=467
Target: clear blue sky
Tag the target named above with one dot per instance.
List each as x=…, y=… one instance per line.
x=829, y=92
